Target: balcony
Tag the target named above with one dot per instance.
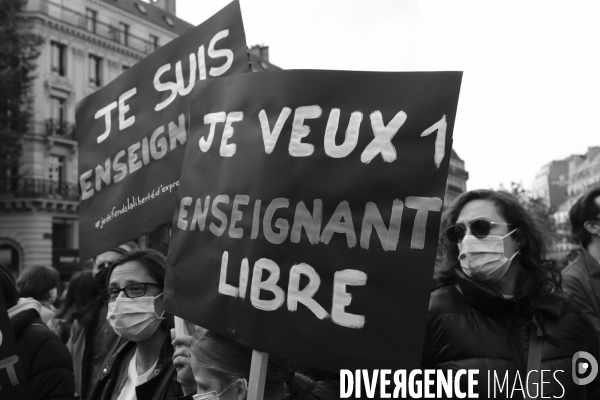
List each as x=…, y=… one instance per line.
x=62, y=129
x=38, y=188
x=91, y=25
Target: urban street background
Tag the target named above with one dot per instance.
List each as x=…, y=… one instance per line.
x=526, y=118
x=530, y=85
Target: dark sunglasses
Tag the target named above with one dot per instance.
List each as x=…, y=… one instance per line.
x=480, y=228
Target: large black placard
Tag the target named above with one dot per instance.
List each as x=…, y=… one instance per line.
x=308, y=212
x=132, y=133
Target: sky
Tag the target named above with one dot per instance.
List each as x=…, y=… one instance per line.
x=531, y=83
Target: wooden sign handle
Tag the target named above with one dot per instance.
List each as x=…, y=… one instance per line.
x=258, y=374
x=180, y=327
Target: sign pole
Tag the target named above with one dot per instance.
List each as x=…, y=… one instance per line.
x=258, y=374
x=180, y=327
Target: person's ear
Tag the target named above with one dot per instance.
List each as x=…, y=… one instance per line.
x=241, y=389
x=520, y=240
x=592, y=227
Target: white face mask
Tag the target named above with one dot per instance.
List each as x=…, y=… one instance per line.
x=134, y=319
x=213, y=395
x=483, y=259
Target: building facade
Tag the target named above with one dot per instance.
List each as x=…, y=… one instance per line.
x=584, y=172
x=564, y=182
x=550, y=184
x=87, y=43
x=457, y=179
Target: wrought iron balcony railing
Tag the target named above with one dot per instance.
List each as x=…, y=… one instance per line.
x=38, y=188
x=90, y=24
x=59, y=128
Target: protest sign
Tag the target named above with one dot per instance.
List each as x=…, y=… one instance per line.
x=132, y=133
x=13, y=382
x=308, y=212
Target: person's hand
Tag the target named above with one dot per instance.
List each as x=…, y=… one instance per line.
x=182, y=363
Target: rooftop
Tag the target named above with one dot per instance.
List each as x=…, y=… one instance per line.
x=153, y=14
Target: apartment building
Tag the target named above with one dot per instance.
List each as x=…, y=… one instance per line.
x=550, y=184
x=457, y=179
x=87, y=43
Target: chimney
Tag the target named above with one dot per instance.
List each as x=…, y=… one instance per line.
x=261, y=51
x=167, y=5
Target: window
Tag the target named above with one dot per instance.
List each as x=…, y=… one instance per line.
x=95, y=70
x=114, y=33
x=9, y=256
x=56, y=169
x=58, y=54
x=125, y=67
x=141, y=8
x=124, y=33
x=91, y=19
x=58, y=110
x=154, y=42
x=61, y=233
x=169, y=21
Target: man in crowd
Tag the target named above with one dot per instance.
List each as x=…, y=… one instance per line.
x=92, y=340
x=582, y=276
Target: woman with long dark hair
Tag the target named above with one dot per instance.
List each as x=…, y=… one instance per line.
x=499, y=305
x=81, y=292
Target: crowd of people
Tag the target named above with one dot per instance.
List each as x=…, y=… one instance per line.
x=500, y=304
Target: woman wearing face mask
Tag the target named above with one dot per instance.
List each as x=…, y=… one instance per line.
x=221, y=369
x=500, y=308
x=142, y=368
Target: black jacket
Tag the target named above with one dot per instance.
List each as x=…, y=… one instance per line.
x=162, y=382
x=90, y=323
x=46, y=360
x=581, y=278
x=472, y=326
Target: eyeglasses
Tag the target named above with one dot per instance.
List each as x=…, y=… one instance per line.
x=480, y=228
x=131, y=291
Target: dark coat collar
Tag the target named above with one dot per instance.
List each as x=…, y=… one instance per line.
x=164, y=359
x=23, y=319
x=527, y=298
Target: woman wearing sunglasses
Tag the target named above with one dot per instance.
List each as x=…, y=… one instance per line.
x=499, y=306
x=142, y=368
